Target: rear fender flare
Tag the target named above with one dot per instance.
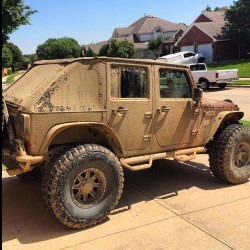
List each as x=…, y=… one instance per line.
x=111, y=137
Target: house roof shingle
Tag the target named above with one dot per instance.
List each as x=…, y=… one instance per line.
x=212, y=29
x=214, y=16
x=213, y=25
x=148, y=24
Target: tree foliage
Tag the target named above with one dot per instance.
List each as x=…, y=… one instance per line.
x=6, y=57
x=89, y=53
x=121, y=48
x=11, y=56
x=14, y=14
x=208, y=9
x=104, y=50
x=155, y=44
x=29, y=60
x=237, y=19
x=53, y=48
x=16, y=53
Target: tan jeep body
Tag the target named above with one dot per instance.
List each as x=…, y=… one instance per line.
x=139, y=110
x=67, y=101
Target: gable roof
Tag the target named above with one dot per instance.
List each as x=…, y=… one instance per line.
x=214, y=16
x=147, y=24
x=211, y=23
x=213, y=30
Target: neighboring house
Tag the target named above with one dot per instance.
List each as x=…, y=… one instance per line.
x=148, y=28
x=144, y=30
x=95, y=46
x=206, y=35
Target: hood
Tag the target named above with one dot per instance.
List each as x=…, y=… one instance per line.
x=225, y=105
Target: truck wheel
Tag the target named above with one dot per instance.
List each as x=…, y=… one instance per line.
x=204, y=84
x=222, y=85
x=83, y=185
x=229, y=157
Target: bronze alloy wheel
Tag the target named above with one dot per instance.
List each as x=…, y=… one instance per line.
x=241, y=155
x=89, y=188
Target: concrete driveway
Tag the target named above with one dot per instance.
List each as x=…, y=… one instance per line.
x=170, y=206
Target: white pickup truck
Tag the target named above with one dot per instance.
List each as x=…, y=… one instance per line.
x=218, y=78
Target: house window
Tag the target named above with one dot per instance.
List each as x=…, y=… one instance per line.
x=174, y=84
x=158, y=33
x=129, y=82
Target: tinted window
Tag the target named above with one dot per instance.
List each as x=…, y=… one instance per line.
x=174, y=84
x=196, y=67
x=129, y=82
x=188, y=54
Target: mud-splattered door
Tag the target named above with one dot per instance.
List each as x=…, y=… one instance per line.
x=129, y=107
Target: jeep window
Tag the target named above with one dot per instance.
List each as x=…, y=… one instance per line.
x=129, y=82
x=174, y=84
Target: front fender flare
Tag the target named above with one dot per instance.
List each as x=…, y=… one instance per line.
x=220, y=119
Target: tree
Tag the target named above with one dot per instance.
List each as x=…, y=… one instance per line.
x=208, y=9
x=53, y=48
x=121, y=48
x=6, y=57
x=104, y=50
x=155, y=44
x=237, y=19
x=17, y=57
x=14, y=14
x=90, y=53
x=29, y=60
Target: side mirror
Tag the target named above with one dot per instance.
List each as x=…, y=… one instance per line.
x=197, y=94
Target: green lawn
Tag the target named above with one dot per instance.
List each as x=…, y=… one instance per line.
x=10, y=79
x=242, y=65
x=246, y=123
x=241, y=82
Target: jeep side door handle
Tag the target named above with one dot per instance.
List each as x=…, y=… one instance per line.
x=163, y=110
x=120, y=111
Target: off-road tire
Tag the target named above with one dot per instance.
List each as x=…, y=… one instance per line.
x=83, y=185
x=229, y=155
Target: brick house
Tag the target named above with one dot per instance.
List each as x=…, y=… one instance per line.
x=206, y=35
x=144, y=30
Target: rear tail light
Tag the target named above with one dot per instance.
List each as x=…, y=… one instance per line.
x=217, y=75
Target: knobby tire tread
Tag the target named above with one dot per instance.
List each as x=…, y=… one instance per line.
x=51, y=186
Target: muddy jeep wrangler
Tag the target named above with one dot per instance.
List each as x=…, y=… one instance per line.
x=80, y=121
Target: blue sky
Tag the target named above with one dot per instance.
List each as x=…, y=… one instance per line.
x=92, y=21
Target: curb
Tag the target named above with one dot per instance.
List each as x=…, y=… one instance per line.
x=238, y=86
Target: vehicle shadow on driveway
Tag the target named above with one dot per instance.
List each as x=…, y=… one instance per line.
x=25, y=216
x=166, y=178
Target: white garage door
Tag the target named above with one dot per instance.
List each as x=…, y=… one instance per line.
x=207, y=51
x=188, y=48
